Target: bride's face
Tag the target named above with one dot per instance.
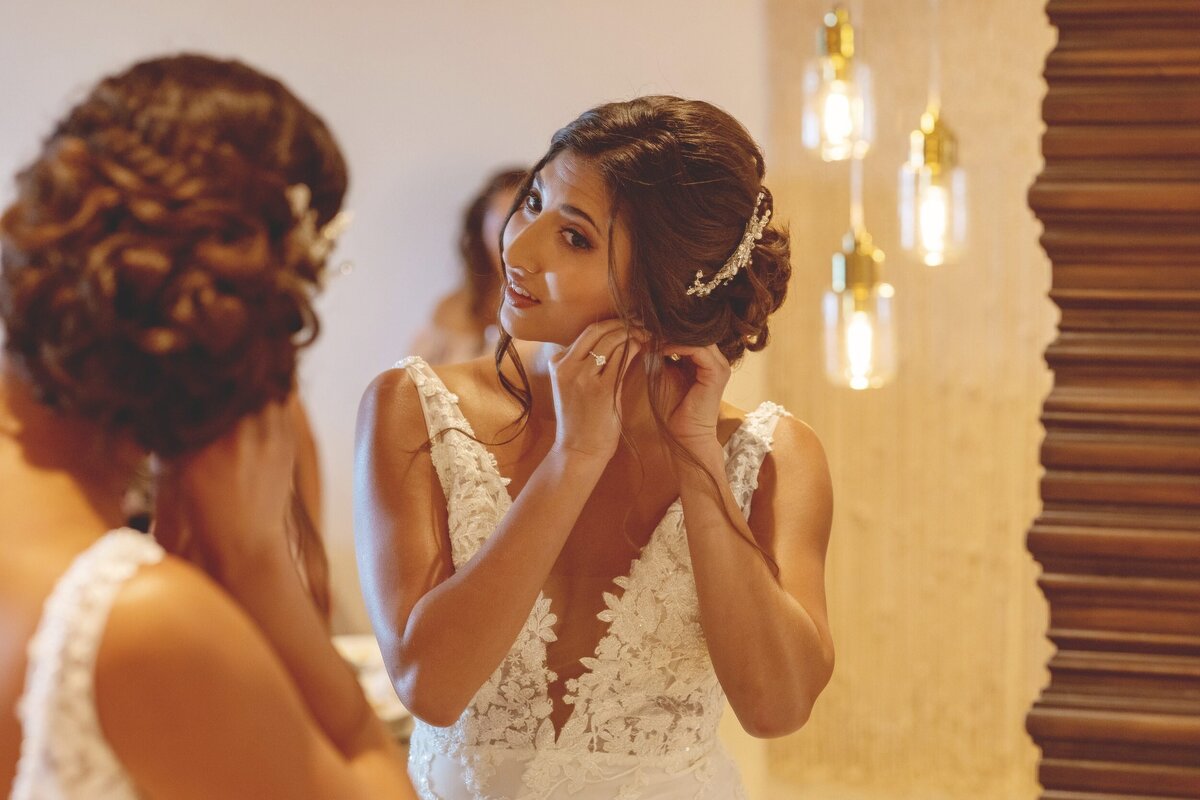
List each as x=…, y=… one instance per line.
x=556, y=254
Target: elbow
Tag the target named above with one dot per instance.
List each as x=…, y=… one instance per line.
x=779, y=713
x=425, y=697
x=773, y=720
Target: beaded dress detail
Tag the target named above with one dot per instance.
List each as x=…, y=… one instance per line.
x=64, y=755
x=647, y=707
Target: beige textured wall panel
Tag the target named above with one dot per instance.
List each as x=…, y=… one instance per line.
x=937, y=618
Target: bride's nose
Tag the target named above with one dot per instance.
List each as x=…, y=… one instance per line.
x=522, y=247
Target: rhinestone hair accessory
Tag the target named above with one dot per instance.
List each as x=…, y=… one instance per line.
x=318, y=241
x=741, y=256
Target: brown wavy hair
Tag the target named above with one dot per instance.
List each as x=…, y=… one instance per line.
x=684, y=176
x=154, y=277
x=479, y=270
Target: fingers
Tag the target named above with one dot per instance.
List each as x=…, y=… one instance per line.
x=701, y=356
x=609, y=346
x=588, y=339
x=259, y=444
x=631, y=352
x=596, y=347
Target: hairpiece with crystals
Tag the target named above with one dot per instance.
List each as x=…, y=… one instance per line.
x=319, y=241
x=741, y=256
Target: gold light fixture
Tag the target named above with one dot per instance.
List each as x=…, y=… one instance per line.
x=933, y=208
x=860, y=335
x=838, y=112
x=860, y=329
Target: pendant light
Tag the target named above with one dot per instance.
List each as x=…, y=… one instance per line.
x=933, y=208
x=838, y=114
x=859, y=323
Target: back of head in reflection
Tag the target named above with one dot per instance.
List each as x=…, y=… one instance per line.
x=464, y=322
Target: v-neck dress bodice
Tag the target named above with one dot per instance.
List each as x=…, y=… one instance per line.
x=646, y=708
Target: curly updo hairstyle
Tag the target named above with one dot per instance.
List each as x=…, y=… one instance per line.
x=155, y=278
x=683, y=175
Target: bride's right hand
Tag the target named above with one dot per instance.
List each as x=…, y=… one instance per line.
x=586, y=394
x=225, y=505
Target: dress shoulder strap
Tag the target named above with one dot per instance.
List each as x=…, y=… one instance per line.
x=748, y=448
x=438, y=402
x=63, y=751
x=465, y=468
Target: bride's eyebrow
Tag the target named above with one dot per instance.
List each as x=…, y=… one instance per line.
x=575, y=211
x=566, y=208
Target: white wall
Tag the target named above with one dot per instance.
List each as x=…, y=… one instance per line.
x=426, y=98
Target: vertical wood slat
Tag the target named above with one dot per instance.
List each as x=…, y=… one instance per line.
x=1119, y=535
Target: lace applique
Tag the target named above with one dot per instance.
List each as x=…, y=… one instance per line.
x=514, y=704
x=747, y=449
x=64, y=755
x=467, y=470
x=648, y=699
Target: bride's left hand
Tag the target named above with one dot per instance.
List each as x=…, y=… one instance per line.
x=694, y=420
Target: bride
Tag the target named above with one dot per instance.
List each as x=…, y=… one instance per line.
x=157, y=283
x=573, y=553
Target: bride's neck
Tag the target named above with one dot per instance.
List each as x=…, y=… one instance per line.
x=56, y=468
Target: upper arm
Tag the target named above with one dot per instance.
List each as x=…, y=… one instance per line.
x=791, y=515
x=400, y=524
x=196, y=705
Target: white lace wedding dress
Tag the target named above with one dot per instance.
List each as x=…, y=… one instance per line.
x=63, y=752
x=646, y=709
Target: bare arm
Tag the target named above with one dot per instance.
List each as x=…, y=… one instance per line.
x=444, y=632
x=196, y=705
x=226, y=504
x=768, y=637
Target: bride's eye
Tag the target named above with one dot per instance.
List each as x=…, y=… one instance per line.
x=576, y=239
x=533, y=201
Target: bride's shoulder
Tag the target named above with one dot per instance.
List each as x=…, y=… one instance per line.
x=164, y=615
x=786, y=431
x=180, y=669
x=392, y=404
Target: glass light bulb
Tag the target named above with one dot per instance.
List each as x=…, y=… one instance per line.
x=860, y=356
x=860, y=337
x=933, y=211
x=838, y=118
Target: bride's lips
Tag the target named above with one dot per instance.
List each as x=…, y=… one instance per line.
x=518, y=296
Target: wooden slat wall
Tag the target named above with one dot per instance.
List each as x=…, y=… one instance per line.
x=1119, y=536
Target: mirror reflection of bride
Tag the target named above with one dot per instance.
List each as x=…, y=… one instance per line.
x=574, y=555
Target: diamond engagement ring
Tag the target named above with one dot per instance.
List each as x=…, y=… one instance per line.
x=600, y=360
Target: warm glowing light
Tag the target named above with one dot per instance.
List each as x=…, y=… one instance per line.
x=860, y=336
x=837, y=118
x=860, y=345
x=933, y=222
x=933, y=206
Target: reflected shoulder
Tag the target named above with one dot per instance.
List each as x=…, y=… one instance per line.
x=796, y=445
x=390, y=410
x=797, y=460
